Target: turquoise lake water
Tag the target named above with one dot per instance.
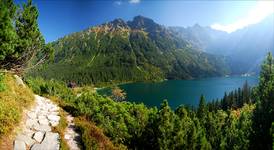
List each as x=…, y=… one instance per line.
x=185, y=92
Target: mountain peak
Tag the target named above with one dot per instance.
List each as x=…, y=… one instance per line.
x=140, y=22
x=118, y=23
x=196, y=25
x=140, y=18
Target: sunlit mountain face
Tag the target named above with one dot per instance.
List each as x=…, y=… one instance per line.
x=136, y=50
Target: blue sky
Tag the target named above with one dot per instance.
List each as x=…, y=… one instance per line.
x=61, y=17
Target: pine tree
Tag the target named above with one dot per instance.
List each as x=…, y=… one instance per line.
x=225, y=102
x=21, y=43
x=31, y=41
x=246, y=93
x=166, y=118
x=240, y=98
x=7, y=32
x=264, y=112
x=202, y=109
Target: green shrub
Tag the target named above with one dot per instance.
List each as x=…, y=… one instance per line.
x=50, y=88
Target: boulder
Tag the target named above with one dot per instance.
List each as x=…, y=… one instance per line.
x=19, y=81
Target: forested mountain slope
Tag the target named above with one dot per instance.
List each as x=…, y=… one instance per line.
x=120, y=51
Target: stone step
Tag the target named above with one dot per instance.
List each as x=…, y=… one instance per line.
x=38, y=136
x=50, y=142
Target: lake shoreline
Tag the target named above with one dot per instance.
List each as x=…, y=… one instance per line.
x=179, y=92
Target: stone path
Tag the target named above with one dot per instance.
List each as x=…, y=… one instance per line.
x=71, y=136
x=36, y=133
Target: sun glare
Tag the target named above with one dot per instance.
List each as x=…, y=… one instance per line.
x=258, y=13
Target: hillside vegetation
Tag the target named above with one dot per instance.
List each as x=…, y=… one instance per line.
x=139, y=127
x=118, y=51
x=239, y=121
x=13, y=100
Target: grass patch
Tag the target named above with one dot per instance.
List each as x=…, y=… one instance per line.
x=2, y=85
x=12, y=102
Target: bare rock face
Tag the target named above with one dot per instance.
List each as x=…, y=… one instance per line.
x=19, y=81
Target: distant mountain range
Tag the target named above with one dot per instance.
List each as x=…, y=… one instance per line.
x=141, y=50
x=137, y=50
x=244, y=49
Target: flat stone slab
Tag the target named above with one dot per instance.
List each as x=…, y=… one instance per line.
x=54, y=118
x=28, y=140
x=28, y=132
x=42, y=127
x=19, y=145
x=54, y=113
x=43, y=121
x=31, y=115
x=50, y=142
x=38, y=136
x=42, y=117
x=31, y=122
x=54, y=109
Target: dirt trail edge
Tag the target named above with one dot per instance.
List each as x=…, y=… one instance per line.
x=71, y=136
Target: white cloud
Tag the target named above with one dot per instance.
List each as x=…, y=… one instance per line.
x=118, y=3
x=261, y=10
x=134, y=1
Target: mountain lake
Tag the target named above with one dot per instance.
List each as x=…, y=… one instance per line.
x=178, y=92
